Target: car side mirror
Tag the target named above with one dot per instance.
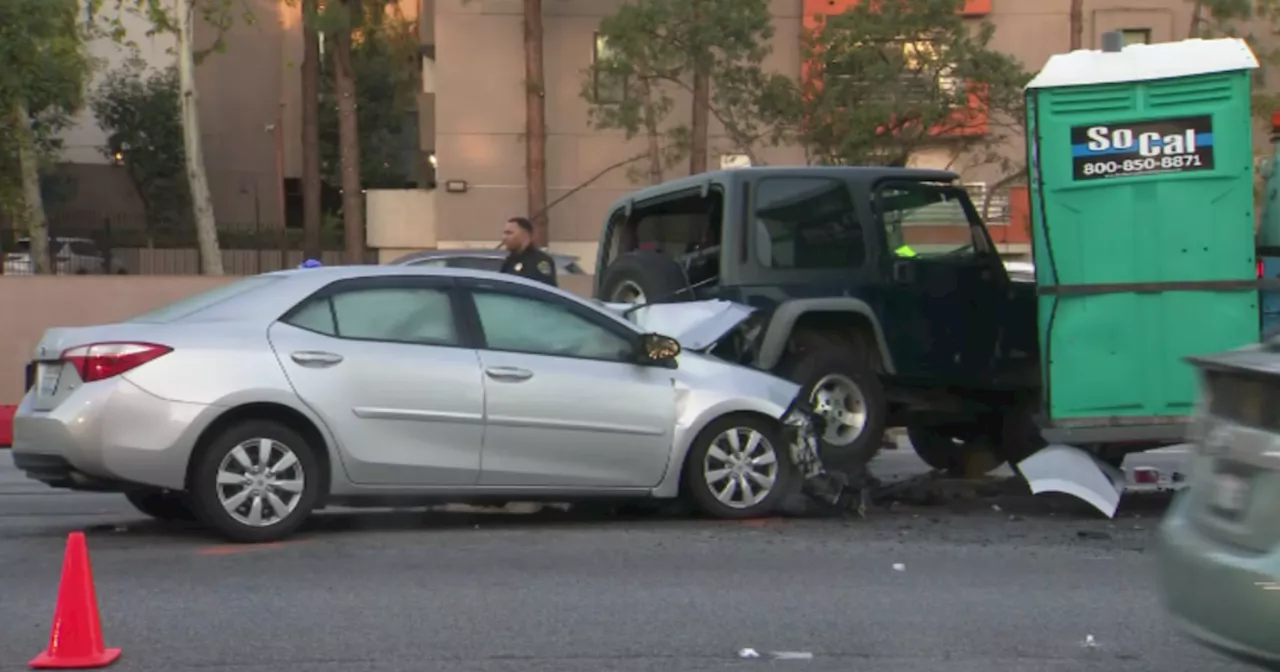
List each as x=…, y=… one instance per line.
x=658, y=350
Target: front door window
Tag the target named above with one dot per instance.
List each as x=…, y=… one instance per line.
x=929, y=220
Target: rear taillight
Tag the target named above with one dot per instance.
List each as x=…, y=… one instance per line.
x=98, y=361
x=1258, y=267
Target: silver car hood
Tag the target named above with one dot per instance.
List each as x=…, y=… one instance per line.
x=697, y=325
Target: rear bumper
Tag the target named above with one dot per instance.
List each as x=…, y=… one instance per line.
x=57, y=472
x=1219, y=594
x=108, y=435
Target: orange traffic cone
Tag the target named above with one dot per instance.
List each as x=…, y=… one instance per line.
x=75, y=640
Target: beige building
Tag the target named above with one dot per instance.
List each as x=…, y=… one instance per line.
x=471, y=110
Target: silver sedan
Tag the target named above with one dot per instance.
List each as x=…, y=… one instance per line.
x=255, y=403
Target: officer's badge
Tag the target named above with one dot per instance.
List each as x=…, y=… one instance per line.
x=544, y=268
x=518, y=267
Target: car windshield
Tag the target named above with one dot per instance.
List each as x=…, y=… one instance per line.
x=193, y=304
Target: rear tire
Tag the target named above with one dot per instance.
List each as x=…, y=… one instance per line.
x=644, y=276
x=715, y=473
x=161, y=505
x=936, y=449
x=963, y=452
x=249, y=498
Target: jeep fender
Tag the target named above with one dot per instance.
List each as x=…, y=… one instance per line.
x=787, y=313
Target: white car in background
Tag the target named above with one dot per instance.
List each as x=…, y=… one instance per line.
x=71, y=256
x=1021, y=271
x=252, y=404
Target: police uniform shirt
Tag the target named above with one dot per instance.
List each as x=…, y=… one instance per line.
x=531, y=263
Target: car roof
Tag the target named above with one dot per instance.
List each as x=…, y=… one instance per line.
x=329, y=274
x=559, y=258
x=861, y=173
x=323, y=275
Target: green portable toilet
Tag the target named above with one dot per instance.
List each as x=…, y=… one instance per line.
x=1141, y=193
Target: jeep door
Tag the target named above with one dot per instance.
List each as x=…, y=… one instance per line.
x=945, y=282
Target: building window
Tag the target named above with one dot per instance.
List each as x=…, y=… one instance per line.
x=924, y=69
x=1135, y=36
x=607, y=87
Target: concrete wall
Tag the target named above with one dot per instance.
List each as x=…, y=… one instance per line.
x=33, y=304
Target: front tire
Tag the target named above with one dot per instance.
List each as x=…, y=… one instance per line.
x=256, y=482
x=163, y=506
x=850, y=398
x=738, y=467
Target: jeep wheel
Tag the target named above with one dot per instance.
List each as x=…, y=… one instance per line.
x=644, y=276
x=934, y=448
x=849, y=397
x=957, y=452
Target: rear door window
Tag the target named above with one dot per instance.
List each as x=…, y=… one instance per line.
x=807, y=223
x=409, y=314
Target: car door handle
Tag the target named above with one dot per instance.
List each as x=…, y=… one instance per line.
x=509, y=373
x=316, y=359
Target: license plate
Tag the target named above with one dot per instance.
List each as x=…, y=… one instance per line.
x=1230, y=494
x=49, y=375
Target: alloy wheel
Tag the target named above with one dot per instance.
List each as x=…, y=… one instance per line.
x=741, y=467
x=260, y=482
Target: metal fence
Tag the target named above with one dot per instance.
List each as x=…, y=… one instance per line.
x=92, y=243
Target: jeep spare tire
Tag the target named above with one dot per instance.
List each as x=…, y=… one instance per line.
x=644, y=276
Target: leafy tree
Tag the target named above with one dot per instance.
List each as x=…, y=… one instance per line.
x=178, y=19
x=384, y=66
x=41, y=84
x=1242, y=18
x=141, y=113
x=710, y=49
x=895, y=76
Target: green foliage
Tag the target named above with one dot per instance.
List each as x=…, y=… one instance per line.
x=220, y=15
x=1242, y=19
x=650, y=50
x=385, y=62
x=45, y=68
x=141, y=113
x=897, y=77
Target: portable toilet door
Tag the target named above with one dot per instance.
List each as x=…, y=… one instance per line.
x=1141, y=189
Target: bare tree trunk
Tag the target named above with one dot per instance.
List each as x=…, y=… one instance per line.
x=349, y=142
x=1197, y=17
x=201, y=199
x=311, y=214
x=701, y=121
x=33, y=215
x=654, y=135
x=535, y=120
x=1077, y=24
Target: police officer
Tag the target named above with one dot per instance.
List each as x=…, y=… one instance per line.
x=525, y=259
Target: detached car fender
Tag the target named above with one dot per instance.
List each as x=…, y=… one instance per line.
x=784, y=318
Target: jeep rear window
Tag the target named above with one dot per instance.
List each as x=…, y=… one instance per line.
x=807, y=223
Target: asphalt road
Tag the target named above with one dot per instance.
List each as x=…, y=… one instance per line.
x=975, y=586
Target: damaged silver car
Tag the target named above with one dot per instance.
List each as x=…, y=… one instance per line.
x=251, y=405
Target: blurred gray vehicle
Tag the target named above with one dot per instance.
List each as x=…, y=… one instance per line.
x=252, y=404
x=71, y=256
x=482, y=260
x=1220, y=539
x=1021, y=271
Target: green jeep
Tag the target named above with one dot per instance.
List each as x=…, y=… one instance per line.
x=878, y=290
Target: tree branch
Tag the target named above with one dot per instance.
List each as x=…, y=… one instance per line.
x=592, y=180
